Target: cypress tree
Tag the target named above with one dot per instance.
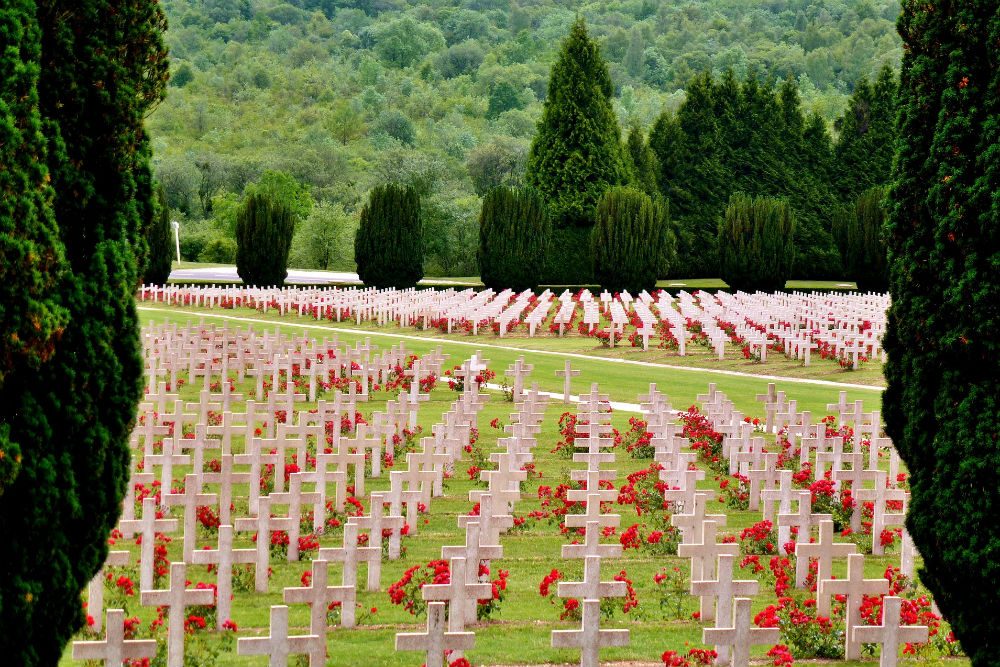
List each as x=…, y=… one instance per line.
x=631, y=240
x=389, y=246
x=858, y=230
x=756, y=243
x=866, y=142
x=159, y=239
x=514, y=234
x=577, y=154
x=264, y=228
x=70, y=409
x=31, y=315
x=808, y=191
x=642, y=162
x=943, y=231
x=692, y=177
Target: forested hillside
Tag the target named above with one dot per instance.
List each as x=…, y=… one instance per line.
x=319, y=100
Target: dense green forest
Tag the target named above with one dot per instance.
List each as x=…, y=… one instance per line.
x=320, y=100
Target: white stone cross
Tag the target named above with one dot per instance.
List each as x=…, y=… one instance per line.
x=224, y=557
x=854, y=588
x=148, y=526
x=764, y=478
x=890, y=634
x=780, y=498
x=95, y=589
x=262, y=523
x=190, y=500
x=491, y=522
x=318, y=596
x=803, y=519
x=824, y=550
x=722, y=589
x=457, y=592
x=278, y=645
x=473, y=551
x=377, y=523
x=589, y=638
x=740, y=636
x=691, y=524
x=646, y=331
x=592, y=545
x=519, y=370
x=176, y=598
x=115, y=649
x=435, y=641
x=592, y=479
x=704, y=554
x=593, y=513
x=567, y=374
x=351, y=554
x=592, y=587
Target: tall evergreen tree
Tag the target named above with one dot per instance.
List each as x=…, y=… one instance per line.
x=756, y=243
x=642, y=162
x=631, y=240
x=31, y=315
x=69, y=410
x=692, y=176
x=577, y=153
x=858, y=232
x=389, y=246
x=264, y=229
x=866, y=141
x=514, y=234
x=942, y=396
x=808, y=191
x=159, y=239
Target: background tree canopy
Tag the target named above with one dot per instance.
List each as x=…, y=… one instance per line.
x=337, y=93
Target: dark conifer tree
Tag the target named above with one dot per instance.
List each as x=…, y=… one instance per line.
x=514, y=234
x=631, y=240
x=756, y=243
x=389, y=246
x=942, y=396
x=866, y=142
x=858, y=232
x=159, y=239
x=31, y=315
x=642, y=162
x=577, y=152
x=808, y=192
x=69, y=407
x=264, y=229
x=692, y=177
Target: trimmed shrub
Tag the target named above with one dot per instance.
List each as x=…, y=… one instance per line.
x=264, y=229
x=514, y=234
x=389, y=245
x=631, y=241
x=756, y=243
x=160, y=238
x=858, y=231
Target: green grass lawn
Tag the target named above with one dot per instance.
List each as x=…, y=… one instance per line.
x=528, y=555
